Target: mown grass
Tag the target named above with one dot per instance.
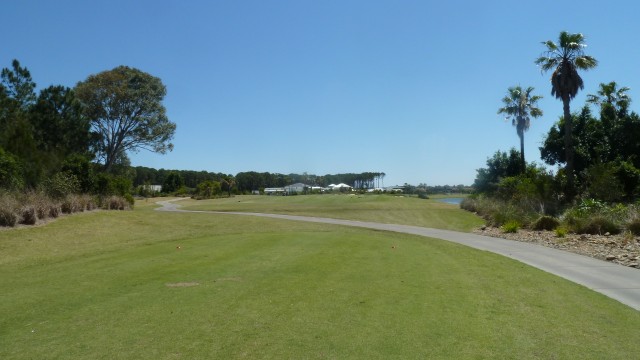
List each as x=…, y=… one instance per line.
x=106, y=285
x=376, y=208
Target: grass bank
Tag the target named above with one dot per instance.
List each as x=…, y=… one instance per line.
x=376, y=208
x=150, y=285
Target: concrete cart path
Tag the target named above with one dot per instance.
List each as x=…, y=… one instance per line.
x=613, y=280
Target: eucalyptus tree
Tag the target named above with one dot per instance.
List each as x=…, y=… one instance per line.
x=125, y=108
x=565, y=59
x=520, y=106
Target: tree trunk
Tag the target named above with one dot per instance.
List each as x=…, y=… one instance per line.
x=523, y=164
x=568, y=147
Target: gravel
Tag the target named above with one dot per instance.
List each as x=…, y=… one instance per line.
x=623, y=249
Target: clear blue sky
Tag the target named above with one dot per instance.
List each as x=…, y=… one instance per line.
x=410, y=88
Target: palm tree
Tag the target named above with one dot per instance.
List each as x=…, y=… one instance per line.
x=566, y=58
x=520, y=106
x=609, y=94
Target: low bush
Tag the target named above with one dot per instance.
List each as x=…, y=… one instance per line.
x=597, y=225
x=561, y=232
x=28, y=215
x=72, y=204
x=116, y=203
x=634, y=226
x=511, y=226
x=54, y=210
x=545, y=223
x=8, y=210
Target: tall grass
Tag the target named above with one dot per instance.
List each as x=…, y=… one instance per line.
x=586, y=217
x=32, y=207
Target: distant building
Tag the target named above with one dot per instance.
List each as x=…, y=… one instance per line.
x=298, y=188
x=274, y=191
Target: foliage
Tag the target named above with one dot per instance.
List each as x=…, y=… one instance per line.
x=108, y=184
x=511, y=226
x=500, y=166
x=561, y=231
x=602, y=183
x=545, y=222
x=125, y=108
x=634, y=226
x=61, y=185
x=10, y=171
x=520, y=106
x=172, y=183
x=565, y=58
x=208, y=189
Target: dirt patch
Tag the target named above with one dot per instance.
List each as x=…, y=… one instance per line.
x=181, y=284
x=229, y=279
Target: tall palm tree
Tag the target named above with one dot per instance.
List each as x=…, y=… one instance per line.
x=566, y=58
x=520, y=106
x=610, y=94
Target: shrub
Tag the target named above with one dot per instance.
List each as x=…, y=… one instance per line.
x=116, y=203
x=469, y=204
x=72, y=204
x=61, y=185
x=54, y=210
x=511, y=226
x=130, y=200
x=634, y=226
x=546, y=223
x=597, y=225
x=561, y=232
x=8, y=210
x=29, y=216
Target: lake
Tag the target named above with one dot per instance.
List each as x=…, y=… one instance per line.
x=452, y=201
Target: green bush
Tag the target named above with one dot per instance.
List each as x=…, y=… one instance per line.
x=61, y=185
x=597, y=225
x=511, y=226
x=561, y=231
x=545, y=223
x=130, y=200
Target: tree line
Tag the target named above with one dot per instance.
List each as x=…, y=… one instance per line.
x=79, y=135
x=597, y=145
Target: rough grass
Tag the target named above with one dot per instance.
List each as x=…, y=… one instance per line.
x=102, y=285
x=377, y=208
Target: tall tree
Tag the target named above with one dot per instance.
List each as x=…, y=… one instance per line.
x=520, y=106
x=566, y=58
x=125, y=108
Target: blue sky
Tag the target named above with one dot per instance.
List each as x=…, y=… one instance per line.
x=410, y=88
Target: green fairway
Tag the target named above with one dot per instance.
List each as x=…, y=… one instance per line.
x=376, y=208
x=152, y=285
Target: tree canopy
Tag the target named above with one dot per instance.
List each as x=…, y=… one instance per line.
x=125, y=108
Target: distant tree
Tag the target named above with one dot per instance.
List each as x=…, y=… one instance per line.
x=18, y=85
x=172, y=183
x=565, y=59
x=519, y=107
x=499, y=166
x=228, y=182
x=207, y=189
x=125, y=108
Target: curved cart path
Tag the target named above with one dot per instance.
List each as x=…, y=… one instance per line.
x=613, y=280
